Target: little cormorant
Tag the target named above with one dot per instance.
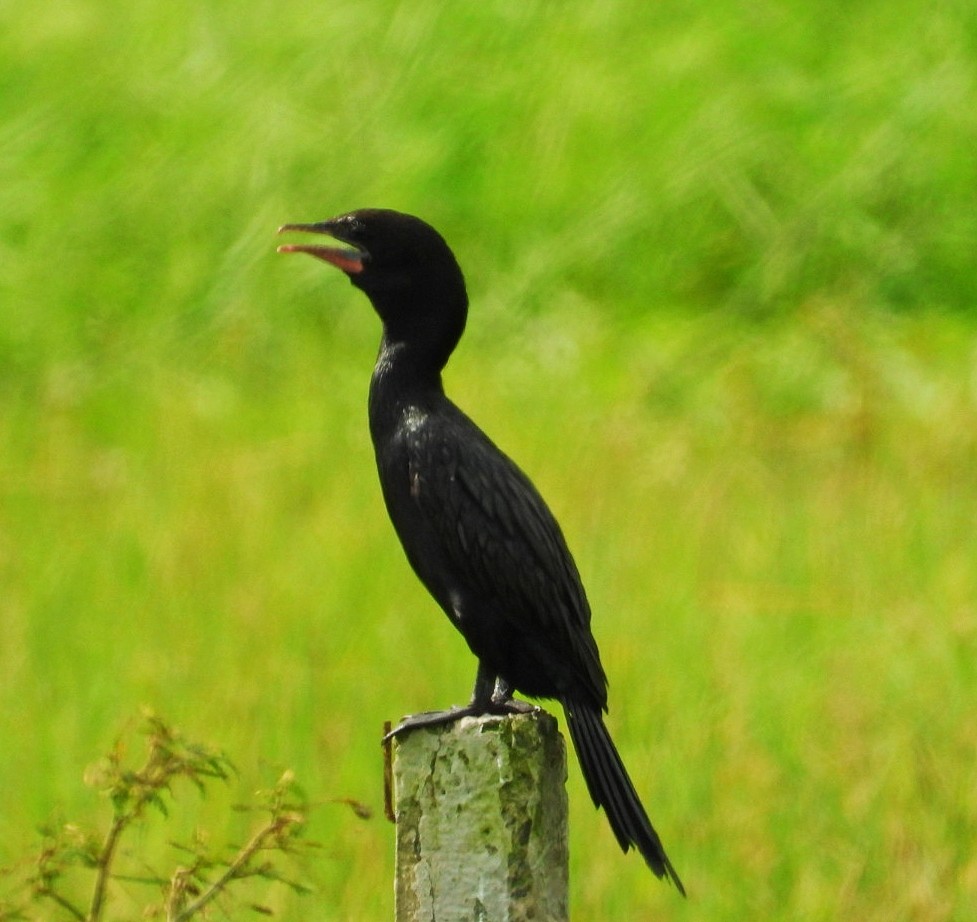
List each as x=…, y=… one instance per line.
x=473, y=526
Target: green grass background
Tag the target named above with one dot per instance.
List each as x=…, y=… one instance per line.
x=721, y=260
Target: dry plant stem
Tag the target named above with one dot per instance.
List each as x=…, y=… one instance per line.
x=105, y=864
x=177, y=894
x=68, y=907
x=236, y=868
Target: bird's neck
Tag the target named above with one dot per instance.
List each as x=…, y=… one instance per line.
x=404, y=376
x=421, y=328
x=409, y=364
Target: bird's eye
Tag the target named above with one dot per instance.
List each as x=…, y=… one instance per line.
x=355, y=229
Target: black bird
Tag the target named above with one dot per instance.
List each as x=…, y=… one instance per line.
x=473, y=526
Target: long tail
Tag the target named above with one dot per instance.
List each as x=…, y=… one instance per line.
x=611, y=788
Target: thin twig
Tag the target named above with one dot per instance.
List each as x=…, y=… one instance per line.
x=105, y=865
x=178, y=890
x=66, y=905
x=236, y=867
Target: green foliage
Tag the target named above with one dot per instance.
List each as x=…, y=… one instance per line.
x=721, y=266
x=205, y=874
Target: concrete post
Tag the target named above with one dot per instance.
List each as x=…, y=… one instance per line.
x=481, y=812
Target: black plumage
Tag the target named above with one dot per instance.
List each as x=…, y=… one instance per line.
x=474, y=528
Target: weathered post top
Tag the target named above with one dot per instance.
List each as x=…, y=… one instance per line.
x=481, y=813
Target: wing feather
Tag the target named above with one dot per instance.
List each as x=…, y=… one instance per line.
x=501, y=540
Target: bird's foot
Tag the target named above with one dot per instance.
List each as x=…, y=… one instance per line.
x=432, y=719
x=512, y=706
x=494, y=705
x=502, y=702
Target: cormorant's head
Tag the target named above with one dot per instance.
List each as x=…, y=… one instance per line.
x=402, y=264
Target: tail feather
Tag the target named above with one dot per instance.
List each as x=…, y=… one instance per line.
x=611, y=788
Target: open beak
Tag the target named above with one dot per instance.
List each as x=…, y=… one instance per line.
x=348, y=258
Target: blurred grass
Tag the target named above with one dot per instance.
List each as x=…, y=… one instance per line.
x=723, y=312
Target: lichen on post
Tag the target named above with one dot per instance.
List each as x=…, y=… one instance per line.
x=481, y=812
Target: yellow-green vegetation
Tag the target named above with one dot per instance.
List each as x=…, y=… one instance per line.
x=81, y=872
x=721, y=260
